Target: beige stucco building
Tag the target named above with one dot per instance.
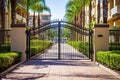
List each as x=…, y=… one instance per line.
x=43, y=18
x=21, y=15
x=113, y=12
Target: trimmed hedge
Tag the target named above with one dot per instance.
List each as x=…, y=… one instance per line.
x=8, y=59
x=37, y=46
x=109, y=58
x=81, y=46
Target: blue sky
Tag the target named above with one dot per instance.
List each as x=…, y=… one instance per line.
x=57, y=8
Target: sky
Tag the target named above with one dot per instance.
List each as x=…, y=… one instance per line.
x=57, y=8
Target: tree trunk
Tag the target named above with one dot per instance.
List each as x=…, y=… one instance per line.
x=27, y=19
x=13, y=12
x=98, y=10
x=105, y=11
x=90, y=8
x=2, y=13
x=9, y=14
x=34, y=21
x=38, y=19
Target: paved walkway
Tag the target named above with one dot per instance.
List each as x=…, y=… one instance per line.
x=67, y=52
x=59, y=70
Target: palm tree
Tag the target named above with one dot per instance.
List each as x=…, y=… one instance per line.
x=72, y=13
x=105, y=11
x=37, y=7
x=2, y=16
x=30, y=3
x=40, y=8
x=90, y=8
x=13, y=12
x=98, y=10
x=9, y=11
x=2, y=13
x=75, y=9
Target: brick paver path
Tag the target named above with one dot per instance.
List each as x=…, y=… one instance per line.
x=59, y=70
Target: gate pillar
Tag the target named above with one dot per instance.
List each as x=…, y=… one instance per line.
x=100, y=39
x=18, y=39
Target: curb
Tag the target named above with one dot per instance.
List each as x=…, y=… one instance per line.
x=10, y=69
x=108, y=70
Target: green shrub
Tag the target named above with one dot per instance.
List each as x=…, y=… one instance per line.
x=109, y=58
x=8, y=59
x=37, y=46
x=81, y=46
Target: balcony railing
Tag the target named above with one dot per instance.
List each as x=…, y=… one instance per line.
x=19, y=17
x=115, y=10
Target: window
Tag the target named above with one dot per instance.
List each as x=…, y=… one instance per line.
x=30, y=18
x=45, y=18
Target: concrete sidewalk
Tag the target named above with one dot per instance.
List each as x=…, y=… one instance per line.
x=82, y=69
x=67, y=53
x=59, y=70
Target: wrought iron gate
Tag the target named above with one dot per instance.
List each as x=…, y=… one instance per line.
x=60, y=34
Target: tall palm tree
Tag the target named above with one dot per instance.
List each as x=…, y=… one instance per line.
x=13, y=12
x=30, y=3
x=2, y=16
x=76, y=8
x=105, y=11
x=9, y=11
x=90, y=8
x=98, y=10
x=40, y=8
x=2, y=13
x=72, y=14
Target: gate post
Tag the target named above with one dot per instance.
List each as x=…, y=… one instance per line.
x=100, y=39
x=18, y=39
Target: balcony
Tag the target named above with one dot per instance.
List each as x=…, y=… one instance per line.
x=93, y=11
x=19, y=17
x=115, y=10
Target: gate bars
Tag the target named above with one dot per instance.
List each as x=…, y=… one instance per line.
x=72, y=26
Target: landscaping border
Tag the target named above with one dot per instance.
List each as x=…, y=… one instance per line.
x=108, y=70
x=10, y=69
x=42, y=51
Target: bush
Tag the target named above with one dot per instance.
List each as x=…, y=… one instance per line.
x=109, y=58
x=8, y=59
x=81, y=46
x=37, y=46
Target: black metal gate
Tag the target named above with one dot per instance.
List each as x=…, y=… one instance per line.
x=58, y=40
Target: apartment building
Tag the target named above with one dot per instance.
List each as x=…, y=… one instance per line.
x=114, y=13
x=20, y=15
x=43, y=18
